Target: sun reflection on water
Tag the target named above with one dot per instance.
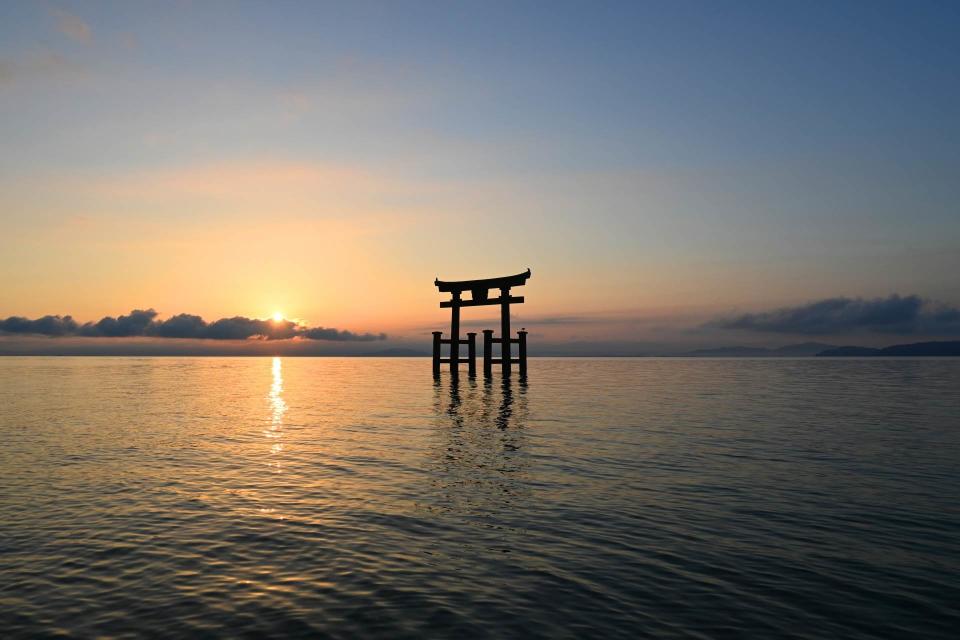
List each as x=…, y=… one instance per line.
x=278, y=408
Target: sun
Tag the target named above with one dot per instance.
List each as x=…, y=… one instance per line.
x=277, y=316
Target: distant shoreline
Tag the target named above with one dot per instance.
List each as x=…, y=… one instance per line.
x=532, y=357
x=941, y=349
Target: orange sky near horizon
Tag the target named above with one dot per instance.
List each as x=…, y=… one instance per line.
x=339, y=247
x=318, y=243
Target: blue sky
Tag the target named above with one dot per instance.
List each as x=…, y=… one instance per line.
x=667, y=162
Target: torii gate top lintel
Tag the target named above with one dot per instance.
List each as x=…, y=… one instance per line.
x=517, y=280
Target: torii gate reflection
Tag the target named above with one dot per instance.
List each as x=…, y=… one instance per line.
x=479, y=290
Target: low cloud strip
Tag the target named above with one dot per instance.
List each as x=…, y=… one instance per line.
x=144, y=323
x=895, y=314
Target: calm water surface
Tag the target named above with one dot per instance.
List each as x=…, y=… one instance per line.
x=159, y=497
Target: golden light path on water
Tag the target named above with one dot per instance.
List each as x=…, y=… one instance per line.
x=278, y=407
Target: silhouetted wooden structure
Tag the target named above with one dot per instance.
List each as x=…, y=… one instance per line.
x=479, y=296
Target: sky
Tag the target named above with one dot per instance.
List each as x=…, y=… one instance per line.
x=676, y=174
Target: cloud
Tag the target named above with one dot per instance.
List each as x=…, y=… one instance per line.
x=38, y=64
x=493, y=322
x=72, y=26
x=240, y=328
x=134, y=324
x=144, y=323
x=47, y=325
x=182, y=325
x=6, y=73
x=894, y=314
x=559, y=320
x=320, y=333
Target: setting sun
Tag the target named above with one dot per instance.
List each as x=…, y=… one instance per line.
x=277, y=316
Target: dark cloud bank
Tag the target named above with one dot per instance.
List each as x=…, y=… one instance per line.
x=899, y=315
x=140, y=323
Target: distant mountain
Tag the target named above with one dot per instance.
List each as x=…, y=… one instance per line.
x=729, y=352
x=950, y=348
x=854, y=352
x=802, y=350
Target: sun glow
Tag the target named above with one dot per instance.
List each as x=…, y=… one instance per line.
x=277, y=316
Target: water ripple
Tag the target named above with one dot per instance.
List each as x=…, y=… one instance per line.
x=606, y=498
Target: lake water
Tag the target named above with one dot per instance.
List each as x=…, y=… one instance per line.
x=625, y=498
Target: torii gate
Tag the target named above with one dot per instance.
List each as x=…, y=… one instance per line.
x=479, y=290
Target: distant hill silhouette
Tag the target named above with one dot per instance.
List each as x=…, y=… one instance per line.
x=804, y=349
x=849, y=351
x=947, y=348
